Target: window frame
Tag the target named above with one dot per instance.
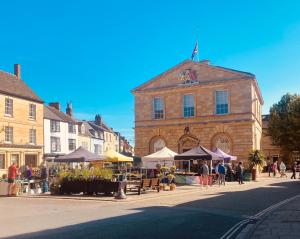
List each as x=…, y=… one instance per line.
x=228, y=105
x=72, y=128
x=2, y=161
x=163, y=108
x=8, y=102
x=9, y=135
x=32, y=110
x=58, y=144
x=56, y=128
x=73, y=143
x=32, y=136
x=194, y=106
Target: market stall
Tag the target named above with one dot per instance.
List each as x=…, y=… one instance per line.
x=164, y=157
x=115, y=157
x=224, y=155
x=189, y=163
x=80, y=155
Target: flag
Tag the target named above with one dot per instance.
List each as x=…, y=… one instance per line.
x=195, y=51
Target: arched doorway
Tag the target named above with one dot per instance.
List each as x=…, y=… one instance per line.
x=223, y=142
x=156, y=144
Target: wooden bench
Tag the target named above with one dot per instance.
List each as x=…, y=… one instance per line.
x=144, y=184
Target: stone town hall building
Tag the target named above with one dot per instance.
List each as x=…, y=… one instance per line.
x=198, y=103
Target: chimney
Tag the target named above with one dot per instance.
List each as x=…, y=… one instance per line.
x=55, y=105
x=17, y=69
x=98, y=120
x=69, y=110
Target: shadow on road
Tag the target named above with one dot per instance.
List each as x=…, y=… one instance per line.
x=203, y=218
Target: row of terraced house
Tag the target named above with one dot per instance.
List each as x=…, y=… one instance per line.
x=31, y=131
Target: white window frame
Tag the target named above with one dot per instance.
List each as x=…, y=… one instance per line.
x=32, y=111
x=54, y=126
x=71, y=128
x=32, y=136
x=9, y=134
x=55, y=140
x=97, y=149
x=9, y=107
x=72, y=142
x=153, y=108
x=228, y=105
x=194, y=106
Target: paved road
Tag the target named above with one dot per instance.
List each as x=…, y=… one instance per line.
x=190, y=212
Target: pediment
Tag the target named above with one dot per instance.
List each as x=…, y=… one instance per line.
x=191, y=73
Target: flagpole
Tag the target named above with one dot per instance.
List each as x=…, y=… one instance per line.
x=197, y=34
x=198, y=50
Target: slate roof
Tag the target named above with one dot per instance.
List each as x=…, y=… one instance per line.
x=88, y=129
x=54, y=114
x=103, y=127
x=11, y=85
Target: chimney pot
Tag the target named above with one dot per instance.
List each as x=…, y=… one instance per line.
x=17, y=70
x=98, y=120
x=55, y=105
x=69, y=110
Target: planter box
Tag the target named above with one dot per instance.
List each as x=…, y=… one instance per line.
x=247, y=176
x=91, y=187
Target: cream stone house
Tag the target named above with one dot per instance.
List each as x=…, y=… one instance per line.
x=21, y=122
x=198, y=103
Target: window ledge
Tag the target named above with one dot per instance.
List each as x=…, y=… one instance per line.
x=9, y=116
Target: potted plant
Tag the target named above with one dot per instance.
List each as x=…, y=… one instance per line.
x=256, y=159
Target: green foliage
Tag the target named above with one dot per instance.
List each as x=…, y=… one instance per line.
x=256, y=158
x=85, y=174
x=284, y=123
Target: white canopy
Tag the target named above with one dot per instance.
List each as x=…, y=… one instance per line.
x=164, y=156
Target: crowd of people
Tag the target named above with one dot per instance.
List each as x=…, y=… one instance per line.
x=227, y=172
x=275, y=168
x=14, y=174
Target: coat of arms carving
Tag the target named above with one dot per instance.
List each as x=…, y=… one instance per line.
x=188, y=76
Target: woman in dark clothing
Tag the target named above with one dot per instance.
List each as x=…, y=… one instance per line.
x=294, y=169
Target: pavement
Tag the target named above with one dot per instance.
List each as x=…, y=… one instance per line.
x=189, y=212
x=282, y=222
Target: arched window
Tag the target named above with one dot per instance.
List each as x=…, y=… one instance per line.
x=158, y=144
x=223, y=142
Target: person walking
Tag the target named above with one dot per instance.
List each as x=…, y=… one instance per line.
x=275, y=168
x=294, y=169
x=205, y=173
x=28, y=172
x=269, y=167
x=222, y=172
x=12, y=174
x=217, y=170
x=282, y=168
x=44, y=178
x=240, y=172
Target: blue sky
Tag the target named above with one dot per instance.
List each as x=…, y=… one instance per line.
x=94, y=52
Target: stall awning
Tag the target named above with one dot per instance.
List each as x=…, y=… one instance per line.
x=164, y=156
x=113, y=156
x=198, y=153
x=80, y=155
x=224, y=155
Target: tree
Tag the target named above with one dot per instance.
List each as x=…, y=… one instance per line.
x=256, y=158
x=284, y=123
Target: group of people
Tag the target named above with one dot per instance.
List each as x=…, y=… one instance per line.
x=221, y=170
x=14, y=173
x=276, y=168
